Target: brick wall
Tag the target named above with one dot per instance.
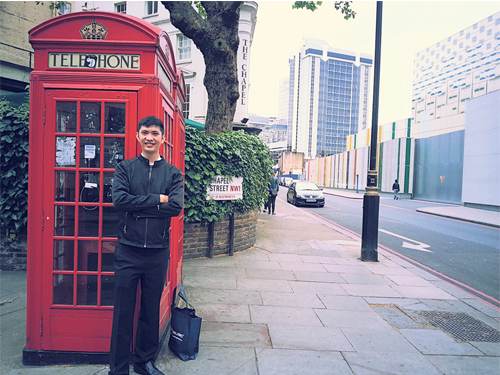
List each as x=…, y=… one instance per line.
x=13, y=258
x=196, y=235
x=16, y=19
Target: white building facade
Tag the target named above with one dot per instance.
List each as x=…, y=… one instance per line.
x=188, y=58
x=446, y=75
x=328, y=97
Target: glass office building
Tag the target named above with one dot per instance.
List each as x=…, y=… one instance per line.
x=329, y=91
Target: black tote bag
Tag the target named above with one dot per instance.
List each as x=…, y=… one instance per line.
x=185, y=328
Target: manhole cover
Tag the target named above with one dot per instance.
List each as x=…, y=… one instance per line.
x=461, y=326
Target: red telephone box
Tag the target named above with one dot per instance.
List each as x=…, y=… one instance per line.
x=96, y=75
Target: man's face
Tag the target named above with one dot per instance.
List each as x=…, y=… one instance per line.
x=150, y=138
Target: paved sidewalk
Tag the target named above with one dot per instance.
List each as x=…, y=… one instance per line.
x=457, y=212
x=301, y=302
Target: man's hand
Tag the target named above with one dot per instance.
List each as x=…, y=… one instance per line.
x=163, y=198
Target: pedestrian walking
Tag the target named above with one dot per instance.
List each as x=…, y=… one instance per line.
x=395, y=189
x=273, y=188
x=147, y=191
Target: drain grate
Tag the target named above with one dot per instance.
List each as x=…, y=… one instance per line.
x=461, y=326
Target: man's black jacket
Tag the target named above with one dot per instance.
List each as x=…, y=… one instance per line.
x=143, y=220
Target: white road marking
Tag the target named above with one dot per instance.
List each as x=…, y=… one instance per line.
x=416, y=246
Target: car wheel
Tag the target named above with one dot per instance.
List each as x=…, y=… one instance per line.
x=295, y=202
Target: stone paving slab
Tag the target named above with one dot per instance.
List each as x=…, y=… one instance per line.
x=390, y=364
x=301, y=362
x=367, y=340
x=326, y=277
x=259, y=273
x=352, y=319
x=309, y=338
x=235, y=335
x=429, y=341
x=291, y=299
x=263, y=285
x=284, y=315
x=317, y=288
x=450, y=365
x=217, y=312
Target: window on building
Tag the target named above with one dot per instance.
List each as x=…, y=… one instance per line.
x=65, y=7
x=488, y=33
x=121, y=7
x=151, y=7
x=481, y=29
x=474, y=38
x=186, y=105
x=183, y=47
x=467, y=36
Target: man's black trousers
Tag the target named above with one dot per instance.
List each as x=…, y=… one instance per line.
x=131, y=265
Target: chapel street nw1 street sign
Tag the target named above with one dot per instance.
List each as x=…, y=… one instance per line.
x=225, y=188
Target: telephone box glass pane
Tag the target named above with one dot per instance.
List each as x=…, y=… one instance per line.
x=107, y=290
x=65, y=151
x=114, y=149
x=66, y=117
x=64, y=255
x=90, y=152
x=108, y=256
x=63, y=289
x=88, y=221
x=64, y=190
x=87, y=290
x=114, y=118
x=90, y=117
x=88, y=253
x=89, y=187
x=108, y=183
x=64, y=220
x=109, y=222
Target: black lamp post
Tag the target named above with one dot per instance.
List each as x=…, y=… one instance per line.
x=371, y=199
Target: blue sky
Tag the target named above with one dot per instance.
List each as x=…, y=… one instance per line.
x=408, y=28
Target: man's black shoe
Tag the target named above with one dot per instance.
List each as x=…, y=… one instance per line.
x=148, y=368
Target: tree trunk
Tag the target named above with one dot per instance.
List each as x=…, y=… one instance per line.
x=216, y=36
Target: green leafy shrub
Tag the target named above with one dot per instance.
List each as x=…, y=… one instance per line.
x=230, y=154
x=14, y=146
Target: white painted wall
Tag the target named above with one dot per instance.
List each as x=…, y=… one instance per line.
x=481, y=176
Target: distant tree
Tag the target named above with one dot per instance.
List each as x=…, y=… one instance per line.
x=213, y=28
x=343, y=6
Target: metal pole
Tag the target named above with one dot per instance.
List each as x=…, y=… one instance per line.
x=231, y=234
x=211, y=239
x=371, y=199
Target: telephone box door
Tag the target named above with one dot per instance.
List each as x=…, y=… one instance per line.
x=87, y=133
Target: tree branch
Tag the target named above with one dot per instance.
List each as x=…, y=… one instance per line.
x=184, y=17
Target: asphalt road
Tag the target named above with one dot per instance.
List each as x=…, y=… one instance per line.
x=468, y=253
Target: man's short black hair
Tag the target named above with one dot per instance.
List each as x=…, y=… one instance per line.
x=151, y=121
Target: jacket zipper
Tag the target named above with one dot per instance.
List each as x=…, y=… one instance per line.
x=149, y=186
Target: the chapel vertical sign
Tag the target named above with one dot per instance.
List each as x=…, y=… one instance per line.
x=243, y=77
x=244, y=72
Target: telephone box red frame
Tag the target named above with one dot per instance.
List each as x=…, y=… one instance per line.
x=96, y=75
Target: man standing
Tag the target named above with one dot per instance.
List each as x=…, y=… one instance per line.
x=147, y=191
x=273, y=187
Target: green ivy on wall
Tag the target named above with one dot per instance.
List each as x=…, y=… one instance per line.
x=230, y=154
x=14, y=146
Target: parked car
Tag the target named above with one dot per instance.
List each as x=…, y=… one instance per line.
x=305, y=193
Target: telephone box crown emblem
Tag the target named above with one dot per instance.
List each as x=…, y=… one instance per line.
x=94, y=31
